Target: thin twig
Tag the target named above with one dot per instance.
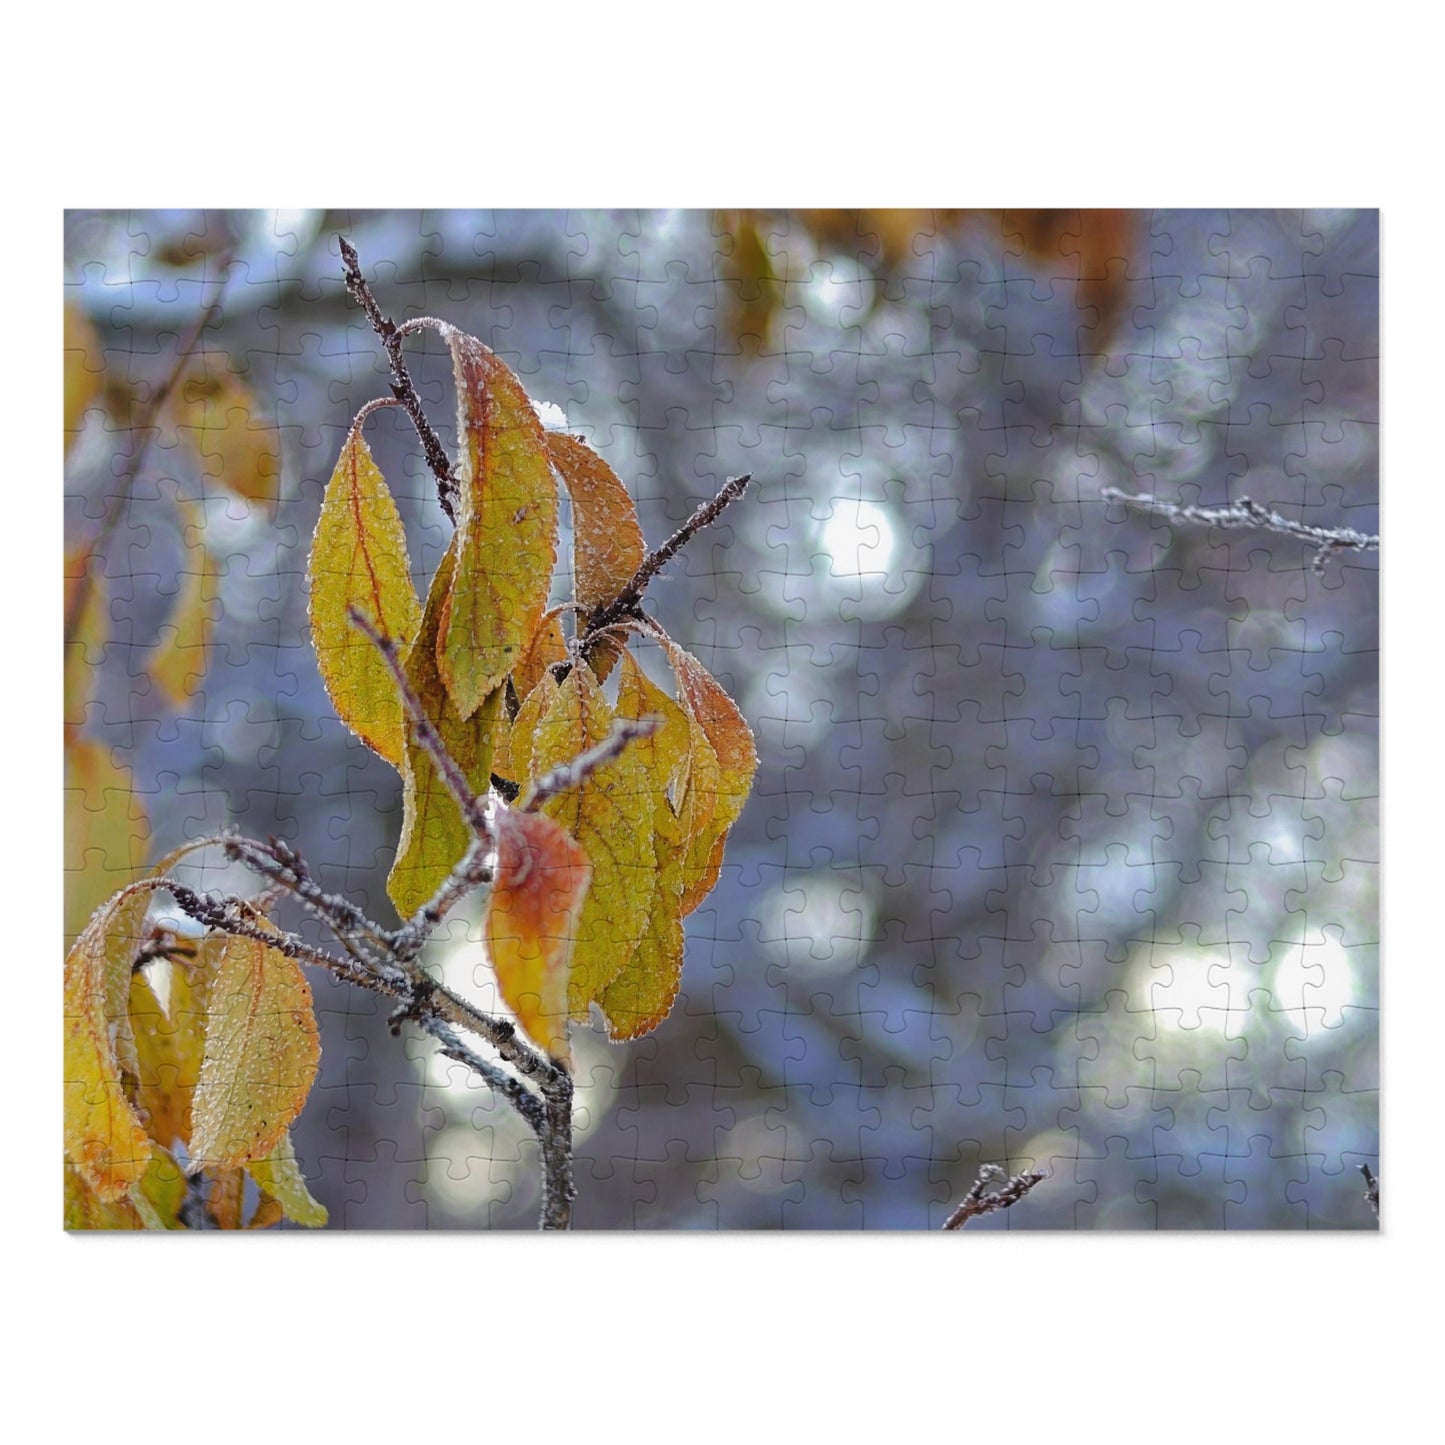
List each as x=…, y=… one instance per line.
x=471, y=872
x=976, y=1202
x=1248, y=513
x=626, y=602
x=522, y=1099
x=142, y=434
x=566, y=776
x=1372, y=1188
x=402, y=386
x=426, y=735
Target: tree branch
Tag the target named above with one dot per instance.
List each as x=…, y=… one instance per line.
x=1372, y=1188
x=976, y=1202
x=402, y=386
x=625, y=604
x=1247, y=513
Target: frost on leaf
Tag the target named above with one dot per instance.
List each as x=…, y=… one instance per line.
x=104, y=1139
x=358, y=559
x=434, y=835
x=506, y=527
x=717, y=718
x=262, y=1051
x=607, y=547
x=532, y=918
x=610, y=815
x=642, y=995
x=279, y=1178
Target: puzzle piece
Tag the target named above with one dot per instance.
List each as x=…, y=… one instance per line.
x=1063, y=846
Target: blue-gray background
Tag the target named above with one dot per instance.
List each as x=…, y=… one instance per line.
x=1063, y=844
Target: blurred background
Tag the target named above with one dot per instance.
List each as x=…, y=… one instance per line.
x=1063, y=846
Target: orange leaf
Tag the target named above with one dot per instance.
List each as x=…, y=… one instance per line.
x=607, y=546
x=531, y=923
x=506, y=529
x=262, y=1051
x=358, y=559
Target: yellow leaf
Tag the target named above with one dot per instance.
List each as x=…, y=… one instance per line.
x=85, y=1208
x=607, y=545
x=280, y=1179
x=171, y=1042
x=610, y=814
x=731, y=740
x=506, y=528
x=178, y=661
x=434, y=835
x=262, y=1052
x=642, y=995
x=160, y=1192
x=358, y=559
x=103, y=1137
x=87, y=630
x=514, y=749
x=532, y=920
x=106, y=833
x=84, y=369
x=547, y=648
x=217, y=414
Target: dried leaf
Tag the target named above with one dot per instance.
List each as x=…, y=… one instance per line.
x=262, y=1052
x=84, y=369
x=506, y=529
x=610, y=814
x=358, y=559
x=178, y=661
x=607, y=546
x=103, y=1137
x=642, y=995
x=106, y=833
x=434, y=835
x=532, y=921
x=87, y=630
x=215, y=411
x=227, y=1198
x=280, y=1179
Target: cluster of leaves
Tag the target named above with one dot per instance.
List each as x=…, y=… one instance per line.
x=593, y=871
x=1089, y=247
x=185, y=1064
x=160, y=1031
x=205, y=414
x=535, y=753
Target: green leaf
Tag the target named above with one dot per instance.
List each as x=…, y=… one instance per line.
x=506, y=528
x=359, y=559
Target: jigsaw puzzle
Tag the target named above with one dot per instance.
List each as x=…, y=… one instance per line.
x=1050, y=603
